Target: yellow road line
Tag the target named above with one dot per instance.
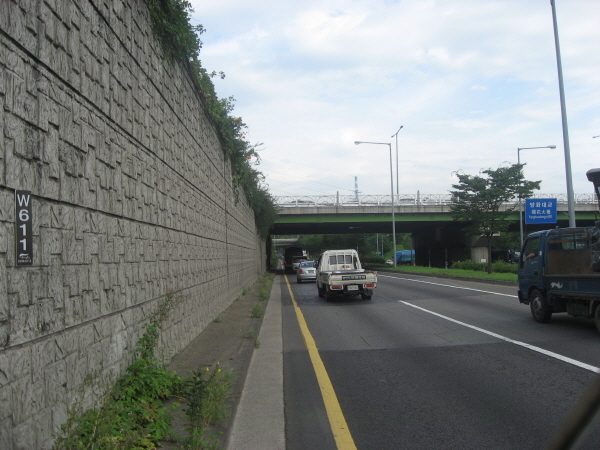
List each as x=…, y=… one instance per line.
x=339, y=427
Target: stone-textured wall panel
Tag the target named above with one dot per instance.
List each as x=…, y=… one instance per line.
x=132, y=202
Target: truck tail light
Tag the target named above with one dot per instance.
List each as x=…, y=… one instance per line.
x=337, y=287
x=370, y=285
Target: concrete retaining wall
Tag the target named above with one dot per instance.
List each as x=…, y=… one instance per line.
x=131, y=201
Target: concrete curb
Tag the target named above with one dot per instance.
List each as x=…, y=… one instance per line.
x=258, y=420
x=245, y=355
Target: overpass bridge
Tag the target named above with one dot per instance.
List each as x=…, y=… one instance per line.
x=436, y=236
x=334, y=214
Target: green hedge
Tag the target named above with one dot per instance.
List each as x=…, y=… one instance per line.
x=498, y=266
x=372, y=259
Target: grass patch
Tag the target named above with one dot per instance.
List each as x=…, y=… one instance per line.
x=456, y=273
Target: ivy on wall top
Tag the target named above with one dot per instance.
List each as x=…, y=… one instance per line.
x=180, y=41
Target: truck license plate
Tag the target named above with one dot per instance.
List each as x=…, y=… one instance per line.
x=354, y=277
x=352, y=287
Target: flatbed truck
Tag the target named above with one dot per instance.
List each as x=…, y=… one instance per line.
x=559, y=270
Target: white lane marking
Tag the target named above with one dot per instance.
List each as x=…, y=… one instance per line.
x=448, y=285
x=512, y=341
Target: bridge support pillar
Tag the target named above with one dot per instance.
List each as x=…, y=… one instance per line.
x=437, y=246
x=478, y=247
x=479, y=253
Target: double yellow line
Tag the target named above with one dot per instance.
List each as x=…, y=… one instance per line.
x=339, y=427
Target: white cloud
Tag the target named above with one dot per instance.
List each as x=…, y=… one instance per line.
x=470, y=81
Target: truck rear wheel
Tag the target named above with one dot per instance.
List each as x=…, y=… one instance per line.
x=321, y=290
x=329, y=295
x=538, y=310
x=597, y=318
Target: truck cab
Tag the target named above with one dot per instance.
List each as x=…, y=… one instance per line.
x=531, y=267
x=556, y=274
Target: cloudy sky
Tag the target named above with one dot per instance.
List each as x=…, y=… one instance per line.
x=470, y=81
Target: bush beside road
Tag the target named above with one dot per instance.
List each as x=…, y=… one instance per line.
x=449, y=273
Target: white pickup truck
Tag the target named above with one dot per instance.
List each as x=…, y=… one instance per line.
x=339, y=273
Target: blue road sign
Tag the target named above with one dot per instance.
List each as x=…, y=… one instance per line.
x=540, y=210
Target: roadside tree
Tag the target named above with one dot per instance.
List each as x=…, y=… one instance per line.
x=483, y=202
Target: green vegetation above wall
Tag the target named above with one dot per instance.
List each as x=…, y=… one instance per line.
x=180, y=42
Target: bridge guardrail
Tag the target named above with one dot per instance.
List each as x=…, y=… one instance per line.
x=401, y=199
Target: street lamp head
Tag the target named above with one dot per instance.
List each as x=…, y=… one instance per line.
x=377, y=143
x=396, y=134
x=531, y=148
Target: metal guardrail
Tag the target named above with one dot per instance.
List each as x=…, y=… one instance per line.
x=400, y=200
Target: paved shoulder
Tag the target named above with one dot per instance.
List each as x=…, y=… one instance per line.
x=259, y=421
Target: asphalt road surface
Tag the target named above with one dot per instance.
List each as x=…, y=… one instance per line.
x=433, y=364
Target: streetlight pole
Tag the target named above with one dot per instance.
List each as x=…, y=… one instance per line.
x=397, y=182
x=565, y=128
x=392, y=188
x=520, y=201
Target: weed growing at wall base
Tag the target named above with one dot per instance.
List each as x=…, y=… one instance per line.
x=205, y=393
x=257, y=311
x=132, y=414
x=266, y=289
